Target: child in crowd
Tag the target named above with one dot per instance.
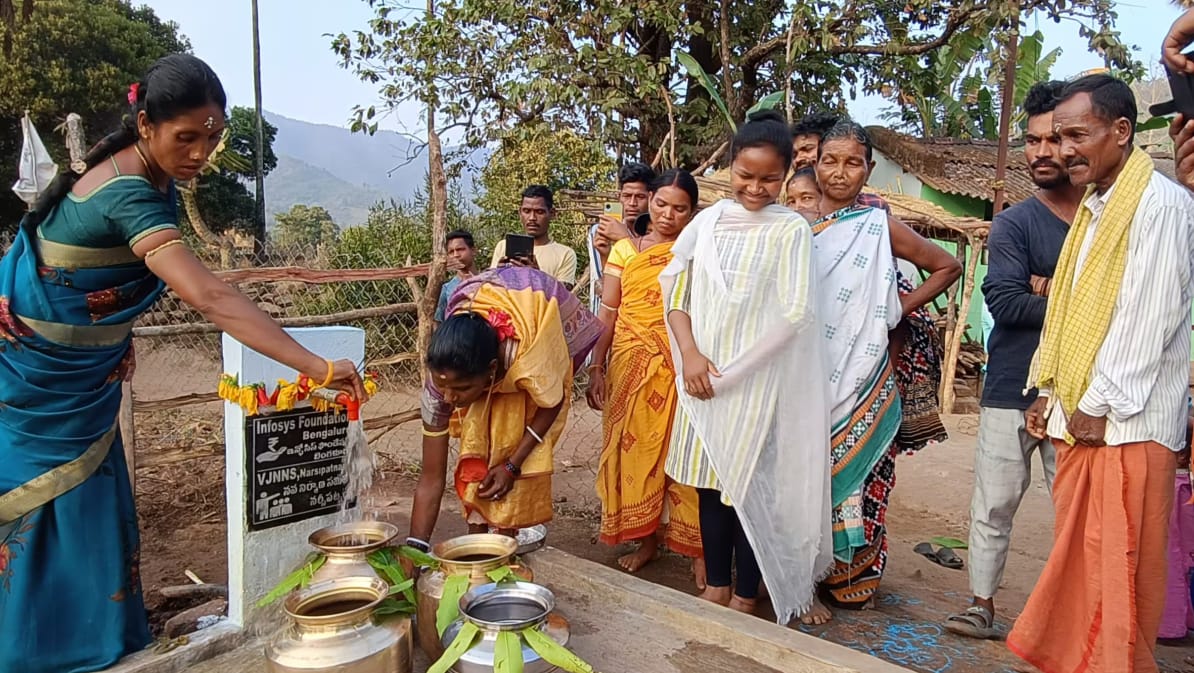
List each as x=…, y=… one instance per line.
x=803, y=194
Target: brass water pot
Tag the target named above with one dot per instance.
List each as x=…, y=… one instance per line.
x=347, y=547
x=332, y=630
x=472, y=555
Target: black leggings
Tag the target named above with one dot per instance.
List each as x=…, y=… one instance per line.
x=722, y=537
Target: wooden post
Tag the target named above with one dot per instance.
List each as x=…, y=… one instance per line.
x=951, y=326
x=954, y=339
x=1008, y=95
x=128, y=432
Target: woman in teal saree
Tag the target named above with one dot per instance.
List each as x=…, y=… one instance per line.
x=96, y=252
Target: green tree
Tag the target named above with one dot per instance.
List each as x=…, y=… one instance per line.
x=957, y=94
x=223, y=195
x=609, y=69
x=560, y=160
x=66, y=56
x=303, y=225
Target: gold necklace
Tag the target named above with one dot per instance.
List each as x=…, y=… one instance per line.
x=145, y=162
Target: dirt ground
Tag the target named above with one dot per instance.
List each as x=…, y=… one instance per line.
x=182, y=510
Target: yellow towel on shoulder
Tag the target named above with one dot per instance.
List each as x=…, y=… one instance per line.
x=1079, y=314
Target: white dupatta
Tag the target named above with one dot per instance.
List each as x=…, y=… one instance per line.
x=752, y=301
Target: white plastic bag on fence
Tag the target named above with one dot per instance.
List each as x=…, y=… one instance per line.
x=36, y=170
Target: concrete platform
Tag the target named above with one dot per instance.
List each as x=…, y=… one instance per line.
x=620, y=624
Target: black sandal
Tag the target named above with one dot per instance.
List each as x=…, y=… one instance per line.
x=944, y=557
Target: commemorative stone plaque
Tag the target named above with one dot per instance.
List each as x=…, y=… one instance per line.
x=295, y=466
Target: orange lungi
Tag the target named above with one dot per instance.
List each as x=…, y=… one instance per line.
x=1097, y=606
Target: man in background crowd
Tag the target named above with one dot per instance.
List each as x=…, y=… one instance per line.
x=634, y=187
x=1023, y=247
x=806, y=138
x=555, y=259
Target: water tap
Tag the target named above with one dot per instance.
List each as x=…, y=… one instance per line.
x=351, y=404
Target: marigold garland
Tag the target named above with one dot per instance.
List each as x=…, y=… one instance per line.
x=252, y=397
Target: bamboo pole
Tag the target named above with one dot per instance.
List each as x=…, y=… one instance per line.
x=318, y=276
x=1007, y=96
x=954, y=346
x=951, y=326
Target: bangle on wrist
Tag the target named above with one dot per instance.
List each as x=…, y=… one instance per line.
x=419, y=544
x=331, y=372
x=513, y=469
x=534, y=434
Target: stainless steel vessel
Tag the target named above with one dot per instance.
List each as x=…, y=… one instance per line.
x=471, y=555
x=332, y=630
x=514, y=606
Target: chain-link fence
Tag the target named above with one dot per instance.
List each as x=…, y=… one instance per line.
x=179, y=423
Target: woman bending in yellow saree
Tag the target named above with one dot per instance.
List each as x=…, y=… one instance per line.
x=499, y=377
x=633, y=380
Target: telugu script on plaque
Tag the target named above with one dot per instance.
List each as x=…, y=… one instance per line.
x=296, y=466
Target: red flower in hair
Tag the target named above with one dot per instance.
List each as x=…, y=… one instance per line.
x=134, y=89
x=502, y=324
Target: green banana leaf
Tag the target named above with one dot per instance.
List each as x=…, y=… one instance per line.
x=507, y=653
x=455, y=586
x=554, y=653
x=698, y=73
x=301, y=577
x=1154, y=124
x=768, y=102
x=949, y=543
x=460, y=644
x=419, y=558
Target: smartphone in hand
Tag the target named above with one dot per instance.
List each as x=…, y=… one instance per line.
x=613, y=209
x=1181, y=84
x=519, y=246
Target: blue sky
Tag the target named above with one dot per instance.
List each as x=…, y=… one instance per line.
x=302, y=80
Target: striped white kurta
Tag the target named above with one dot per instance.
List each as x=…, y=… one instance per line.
x=746, y=280
x=1141, y=375
x=747, y=255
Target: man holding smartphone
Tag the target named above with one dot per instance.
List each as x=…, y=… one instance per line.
x=634, y=189
x=555, y=259
x=1182, y=129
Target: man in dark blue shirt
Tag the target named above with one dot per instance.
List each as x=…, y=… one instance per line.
x=1023, y=248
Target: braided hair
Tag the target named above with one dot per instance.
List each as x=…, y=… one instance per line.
x=173, y=85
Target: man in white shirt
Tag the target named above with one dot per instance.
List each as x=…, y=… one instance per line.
x=555, y=259
x=1113, y=371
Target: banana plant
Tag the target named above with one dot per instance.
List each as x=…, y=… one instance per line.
x=695, y=71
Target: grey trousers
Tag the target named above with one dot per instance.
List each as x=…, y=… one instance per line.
x=1002, y=474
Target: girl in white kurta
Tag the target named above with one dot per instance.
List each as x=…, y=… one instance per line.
x=751, y=431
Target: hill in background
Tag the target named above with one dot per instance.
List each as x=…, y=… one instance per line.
x=295, y=182
x=345, y=172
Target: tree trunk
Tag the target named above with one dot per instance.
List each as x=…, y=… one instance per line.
x=8, y=23
x=439, y=220
x=219, y=244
